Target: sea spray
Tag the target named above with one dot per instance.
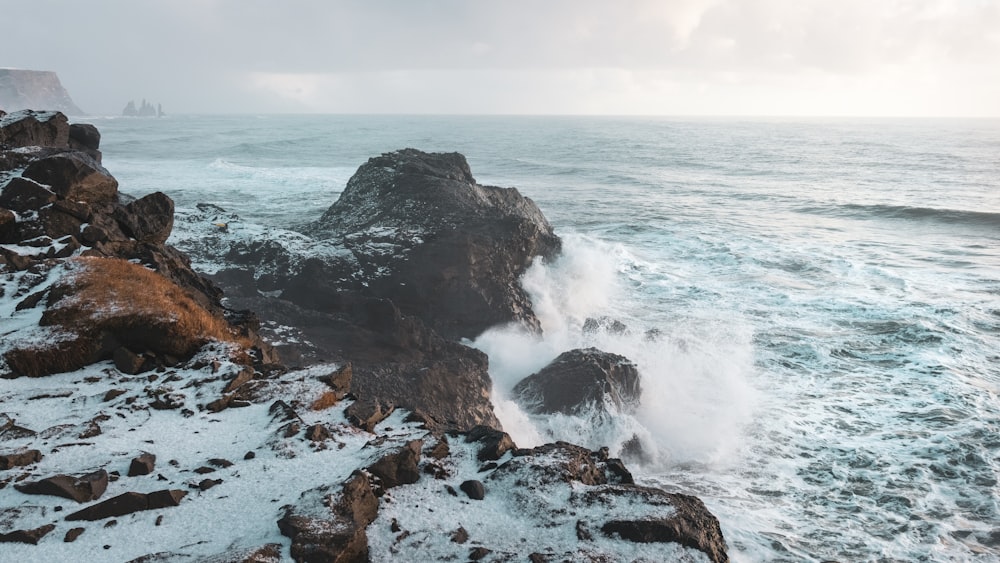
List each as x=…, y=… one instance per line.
x=695, y=394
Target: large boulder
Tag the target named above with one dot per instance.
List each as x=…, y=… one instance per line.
x=330, y=525
x=28, y=128
x=442, y=247
x=75, y=176
x=148, y=219
x=580, y=380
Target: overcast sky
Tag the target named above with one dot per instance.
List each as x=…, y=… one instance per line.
x=666, y=57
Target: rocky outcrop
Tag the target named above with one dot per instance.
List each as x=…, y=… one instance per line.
x=123, y=292
x=579, y=381
x=442, y=247
x=330, y=525
x=21, y=89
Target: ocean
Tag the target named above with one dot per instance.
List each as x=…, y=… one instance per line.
x=813, y=304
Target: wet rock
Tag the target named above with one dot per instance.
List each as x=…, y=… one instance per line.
x=473, y=489
x=400, y=468
x=144, y=464
x=692, y=525
x=81, y=489
x=605, y=324
x=564, y=462
x=581, y=380
x=493, y=443
x=458, y=248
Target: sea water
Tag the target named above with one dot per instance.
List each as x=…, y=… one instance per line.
x=814, y=305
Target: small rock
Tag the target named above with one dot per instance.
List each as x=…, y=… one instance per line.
x=27, y=536
x=220, y=462
x=477, y=553
x=474, y=489
x=72, y=534
x=460, y=536
x=249, y=455
x=317, y=433
x=142, y=465
x=81, y=489
x=207, y=484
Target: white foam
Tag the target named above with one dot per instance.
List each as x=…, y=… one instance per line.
x=696, y=398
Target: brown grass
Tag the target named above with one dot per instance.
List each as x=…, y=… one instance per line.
x=324, y=401
x=103, y=303
x=113, y=293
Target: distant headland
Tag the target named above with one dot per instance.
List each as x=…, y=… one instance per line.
x=33, y=89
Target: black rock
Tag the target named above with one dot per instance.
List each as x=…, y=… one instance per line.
x=580, y=380
x=459, y=248
x=473, y=489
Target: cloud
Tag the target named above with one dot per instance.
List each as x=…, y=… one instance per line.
x=515, y=56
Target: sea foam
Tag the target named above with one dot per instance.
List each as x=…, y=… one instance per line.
x=695, y=392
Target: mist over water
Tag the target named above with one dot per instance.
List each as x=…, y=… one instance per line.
x=813, y=305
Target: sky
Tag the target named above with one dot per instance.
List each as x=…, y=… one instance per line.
x=621, y=57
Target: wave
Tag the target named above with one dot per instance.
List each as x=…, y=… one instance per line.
x=696, y=395
x=909, y=213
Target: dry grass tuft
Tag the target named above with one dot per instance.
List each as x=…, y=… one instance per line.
x=324, y=401
x=109, y=302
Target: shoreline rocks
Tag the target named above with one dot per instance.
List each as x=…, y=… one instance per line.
x=400, y=425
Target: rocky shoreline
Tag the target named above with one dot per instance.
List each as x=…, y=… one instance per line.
x=141, y=399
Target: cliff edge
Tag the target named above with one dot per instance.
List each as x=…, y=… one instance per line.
x=25, y=89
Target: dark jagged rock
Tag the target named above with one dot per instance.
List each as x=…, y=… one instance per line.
x=81, y=489
x=74, y=176
x=127, y=503
x=473, y=489
x=691, y=524
x=86, y=138
x=400, y=468
x=148, y=219
x=580, y=380
x=143, y=464
x=565, y=462
x=459, y=248
x=329, y=525
x=493, y=443
x=23, y=195
x=28, y=128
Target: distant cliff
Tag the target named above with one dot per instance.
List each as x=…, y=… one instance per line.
x=34, y=89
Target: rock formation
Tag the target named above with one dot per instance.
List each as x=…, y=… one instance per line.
x=444, y=248
x=581, y=380
x=392, y=452
x=79, y=237
x=145, y=109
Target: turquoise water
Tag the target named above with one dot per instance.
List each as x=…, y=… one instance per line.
x=824, y=296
